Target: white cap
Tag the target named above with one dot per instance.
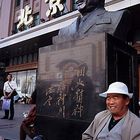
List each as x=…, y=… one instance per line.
x=117, y=87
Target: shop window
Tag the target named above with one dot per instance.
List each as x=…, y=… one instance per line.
x=17, y=3
x=36, y=19
x=11, y=62
x=26, y=82
x=20, y=60
x=35, y=56
x=25, y=59
x=15, y=61
x=30, y=58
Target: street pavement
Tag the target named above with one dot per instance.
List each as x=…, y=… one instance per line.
x=9, y=129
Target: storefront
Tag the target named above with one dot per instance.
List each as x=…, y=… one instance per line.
x=19, y=52
x=19, y=55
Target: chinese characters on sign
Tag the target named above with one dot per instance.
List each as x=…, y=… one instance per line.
x=55, y=6
x=25, y=18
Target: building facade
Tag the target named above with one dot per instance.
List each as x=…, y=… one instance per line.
x=27, y=25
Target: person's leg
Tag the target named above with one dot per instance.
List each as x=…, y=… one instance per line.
x=6, y=114
x=25, y=130
x=22, y=132
x=11, y=109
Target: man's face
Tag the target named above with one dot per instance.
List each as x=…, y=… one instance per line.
x=117, y=104
x=9, y=77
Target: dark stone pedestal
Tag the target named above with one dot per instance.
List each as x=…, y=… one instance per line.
x=60, y=129
x=70, y=77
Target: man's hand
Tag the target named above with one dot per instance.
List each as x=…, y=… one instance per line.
x=5, y=97
x=9, y=95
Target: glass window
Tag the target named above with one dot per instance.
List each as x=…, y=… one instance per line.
x=11, y=62
x=31, y=81
x=25, y=59
x=17, y=3
x=20, y=60
x=26, y=82
x=35, y=56
x=15, y=61
x=30, y=57
x=36, y=19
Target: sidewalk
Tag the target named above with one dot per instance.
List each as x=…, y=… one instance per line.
x=9, y=129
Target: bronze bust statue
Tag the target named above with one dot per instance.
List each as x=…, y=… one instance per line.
x=95, y=19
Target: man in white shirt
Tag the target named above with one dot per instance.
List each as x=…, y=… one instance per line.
x=9, y=87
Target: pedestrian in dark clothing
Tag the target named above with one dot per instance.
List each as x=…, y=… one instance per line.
x=27, y=126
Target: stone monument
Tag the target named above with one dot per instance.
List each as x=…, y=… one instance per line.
x=76, y=68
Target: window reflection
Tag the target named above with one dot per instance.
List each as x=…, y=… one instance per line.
x=26, y=82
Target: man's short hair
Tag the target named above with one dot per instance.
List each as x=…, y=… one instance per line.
x=10, y=74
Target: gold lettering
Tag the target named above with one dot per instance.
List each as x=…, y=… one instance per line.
x=78, y=110
x=54, y=7
x=25, y=18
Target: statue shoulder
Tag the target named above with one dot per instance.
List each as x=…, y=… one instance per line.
x=122, y=23
x=69, y=30
x=119, y=14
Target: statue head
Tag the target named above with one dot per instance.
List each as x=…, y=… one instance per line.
x=85, y=6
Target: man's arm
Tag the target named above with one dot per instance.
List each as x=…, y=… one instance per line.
x=4, y=93
x=95, y=126
x=89, y=133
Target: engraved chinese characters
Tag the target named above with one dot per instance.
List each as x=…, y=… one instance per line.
x=69, y=98
x=80, y=90
x=55, y=100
